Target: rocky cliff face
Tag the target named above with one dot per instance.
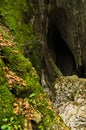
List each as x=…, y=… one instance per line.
x=62, y=29
x=52, y=35
x=22, y=99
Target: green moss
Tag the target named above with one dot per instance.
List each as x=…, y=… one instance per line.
x=34, y=55
x=48, y=113
x=48, y=119
x=2, y=73
x=5, y=32
x=16, y=15
x=17, y=62
x=23, y=68
x=6, y=100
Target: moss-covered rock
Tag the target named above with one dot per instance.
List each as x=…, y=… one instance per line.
x=23, y=68
x=17, y=15
x=6, y=100
x=6, y=97
x=18, y=77
x=32, y=86
x=3, y=79
x=21, y=78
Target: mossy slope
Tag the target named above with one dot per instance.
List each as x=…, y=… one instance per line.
x=16, y=16
x=14, y=66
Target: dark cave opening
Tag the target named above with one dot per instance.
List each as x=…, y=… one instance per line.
x=60, y=52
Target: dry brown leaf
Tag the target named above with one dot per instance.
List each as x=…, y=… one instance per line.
x=13, y=78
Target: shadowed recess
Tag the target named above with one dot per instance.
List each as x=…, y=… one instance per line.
x=60, y=52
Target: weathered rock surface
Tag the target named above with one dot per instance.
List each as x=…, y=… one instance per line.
x=60, y=23
x=61, y=27
x=70, y=101
x=74, y=114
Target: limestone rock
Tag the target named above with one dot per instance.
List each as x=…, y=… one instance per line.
x=74, y=114
x=70, y=101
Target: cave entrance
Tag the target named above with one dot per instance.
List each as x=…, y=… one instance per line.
x=60, y=52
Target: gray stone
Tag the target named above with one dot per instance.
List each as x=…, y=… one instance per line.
x=70, y=101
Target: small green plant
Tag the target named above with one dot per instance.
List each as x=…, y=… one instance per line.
x=9, y=124
x=32, y=96
x=41, y=127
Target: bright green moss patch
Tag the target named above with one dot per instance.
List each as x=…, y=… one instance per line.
x=23, y=68
x=6, y=100
x=16, y=61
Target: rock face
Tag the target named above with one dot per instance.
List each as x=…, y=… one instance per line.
x=74, y=114
x=62, y=29
x=61, y=26
x=70, y=101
